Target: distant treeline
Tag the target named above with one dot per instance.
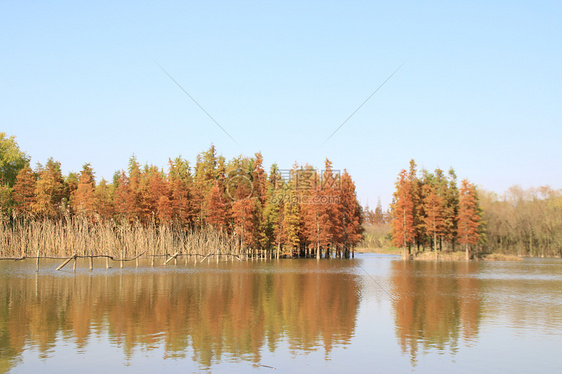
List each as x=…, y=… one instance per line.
x=523, y=222
x=299, y=211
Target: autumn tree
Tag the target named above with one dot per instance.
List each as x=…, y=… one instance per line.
x=216, y=208
x=272, y=212
x=351, y=214
x=403, y=214
x=469, y=216
x=416, y=198
x=125, y=199
x=433, y=208
x=104, y=199
x=24, y=191
x=451, y=208
x=153, y=194
x=210, y=171
x=180, y=183
x=49, y=190
x=84, y=197
x=290, y=229
x=330, y=217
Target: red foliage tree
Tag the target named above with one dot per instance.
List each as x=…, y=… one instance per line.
x=403, y=213
x=469, y=216
x=216, y=209
x=351, y=214
x=433, y=208
x=49, y=190
x=182, y=198
x=24, y=191
x=83, y=199
x=125, y=199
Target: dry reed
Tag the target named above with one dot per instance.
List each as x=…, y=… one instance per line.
x=71, y=236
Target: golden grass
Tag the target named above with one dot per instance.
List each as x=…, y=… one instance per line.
x=385, y=250
x=500, y=257
x=461, y=256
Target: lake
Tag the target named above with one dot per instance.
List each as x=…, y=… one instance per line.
x=374, y=313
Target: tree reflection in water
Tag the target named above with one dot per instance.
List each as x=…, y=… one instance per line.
x=223, y=311
x=435, y=303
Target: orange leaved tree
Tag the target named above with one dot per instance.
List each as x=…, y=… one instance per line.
x=433, y=208
x=469, y=216
x=24, y=191
x=403, y=214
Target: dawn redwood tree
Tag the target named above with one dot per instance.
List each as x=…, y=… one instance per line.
x=351, y=214
x=24, y=191
x=290, y=225
x=244, y=217
x=451, y=209
x=273, y=211
x=49, y=190
x=153, y=193
x=433, y=208
x=180, y=183
x=469, y=219
x=209, y=170
x=83, y=200
x=416, y=197
x=125, y=200
x=69, y=187
x=259, y=179
x=403, y=214
x=216, y=208
x=330, y=218
x=104, y=194
x=308, y=192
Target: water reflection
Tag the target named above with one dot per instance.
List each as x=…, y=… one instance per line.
x=436, y=304
x=223, y=311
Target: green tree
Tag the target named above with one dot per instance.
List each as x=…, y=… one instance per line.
x=12, y=160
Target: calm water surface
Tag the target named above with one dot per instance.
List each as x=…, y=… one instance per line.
x=372, y=314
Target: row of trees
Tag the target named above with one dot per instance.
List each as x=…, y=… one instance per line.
x=430, y=211
x=296, y=212
x=524, y=222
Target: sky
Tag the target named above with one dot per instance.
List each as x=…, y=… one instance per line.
x=473, y=85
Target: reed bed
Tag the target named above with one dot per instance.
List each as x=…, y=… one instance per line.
x=74, y=236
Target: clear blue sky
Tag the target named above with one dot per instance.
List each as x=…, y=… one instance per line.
x=481, y=89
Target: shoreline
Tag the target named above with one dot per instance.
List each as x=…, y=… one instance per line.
x=449, y=256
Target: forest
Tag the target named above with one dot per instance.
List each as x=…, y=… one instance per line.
x=237, y=208
x=233, y=205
